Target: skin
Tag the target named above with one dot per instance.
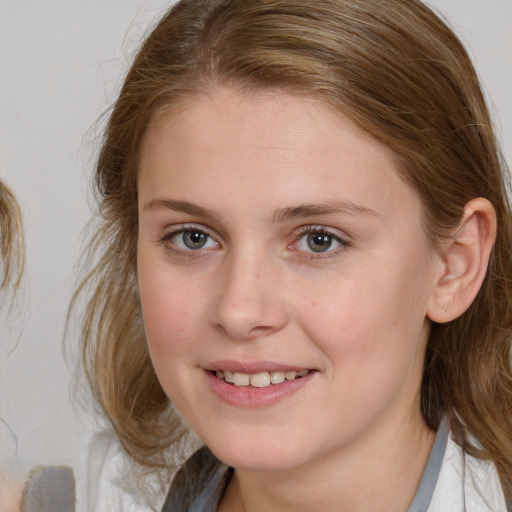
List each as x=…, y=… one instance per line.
x=353, y=437
x=10, y=493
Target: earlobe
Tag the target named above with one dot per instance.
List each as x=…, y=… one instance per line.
x=465, y=259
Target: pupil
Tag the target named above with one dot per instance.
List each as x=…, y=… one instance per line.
x=319, y=242
x=194, y=239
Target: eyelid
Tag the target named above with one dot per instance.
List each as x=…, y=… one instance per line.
x=175, y=230
x=337, y=235
x=320, y=228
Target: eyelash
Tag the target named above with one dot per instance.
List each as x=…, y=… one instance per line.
x=190, y=253
x=321, y=230
x=302, y=232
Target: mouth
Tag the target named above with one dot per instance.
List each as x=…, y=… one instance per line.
x=260, y=379
x=257, y=384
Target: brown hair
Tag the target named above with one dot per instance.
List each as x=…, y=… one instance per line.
x=402, y=75
x=11, y=241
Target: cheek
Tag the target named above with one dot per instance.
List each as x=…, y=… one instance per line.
x=349, y=327
x=170, y=308
x=374, y=314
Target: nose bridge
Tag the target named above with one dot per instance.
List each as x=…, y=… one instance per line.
x=249, y=302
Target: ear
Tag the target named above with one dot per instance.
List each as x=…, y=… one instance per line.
x=465, y=257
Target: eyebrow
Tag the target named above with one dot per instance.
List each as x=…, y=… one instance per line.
x=179, y=206
x=311, y=210
x=281, y=215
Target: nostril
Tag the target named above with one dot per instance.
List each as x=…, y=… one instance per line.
x=248, y=305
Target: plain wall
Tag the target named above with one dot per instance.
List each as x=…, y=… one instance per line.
x=60, y=64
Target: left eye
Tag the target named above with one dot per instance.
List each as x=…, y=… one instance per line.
x=319, y=242
x=193, y=240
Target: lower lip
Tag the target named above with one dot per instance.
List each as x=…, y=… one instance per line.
x=248, y=396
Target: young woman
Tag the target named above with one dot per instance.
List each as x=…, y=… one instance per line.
x=303, y=255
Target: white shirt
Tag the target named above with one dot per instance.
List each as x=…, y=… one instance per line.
x=458, y=482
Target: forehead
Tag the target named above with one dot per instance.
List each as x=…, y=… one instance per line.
x=267, y=148
x=264, y=117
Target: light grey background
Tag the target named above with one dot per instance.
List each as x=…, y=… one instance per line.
x=60, y=64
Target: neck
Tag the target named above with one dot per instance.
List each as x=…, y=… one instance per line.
x=382, y=475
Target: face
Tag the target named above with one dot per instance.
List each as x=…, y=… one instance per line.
x=284, y=277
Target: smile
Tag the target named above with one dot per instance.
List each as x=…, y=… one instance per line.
x=260, y=379
x=258, y=383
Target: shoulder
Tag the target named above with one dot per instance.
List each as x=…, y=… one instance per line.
x=466, y=483
x=109, y=480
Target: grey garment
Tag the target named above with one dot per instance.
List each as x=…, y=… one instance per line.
x=49, y=489
x=200, y=484
x=423, y=496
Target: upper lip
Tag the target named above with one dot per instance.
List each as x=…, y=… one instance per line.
x=252, y=367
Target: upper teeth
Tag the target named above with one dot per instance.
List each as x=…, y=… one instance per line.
x=259, y=380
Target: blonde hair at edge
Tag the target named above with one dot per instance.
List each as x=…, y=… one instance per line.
x=11, y=241
x=397, y=70
x=11, y=269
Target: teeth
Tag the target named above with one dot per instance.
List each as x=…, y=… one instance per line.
x=259, y=380
x=277, y=377
x=241, y=379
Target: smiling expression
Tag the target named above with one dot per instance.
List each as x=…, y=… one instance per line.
x=284, y=278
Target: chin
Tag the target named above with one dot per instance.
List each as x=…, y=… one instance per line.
x=258, y=456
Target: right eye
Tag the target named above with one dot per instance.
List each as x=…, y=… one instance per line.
x=191, y=240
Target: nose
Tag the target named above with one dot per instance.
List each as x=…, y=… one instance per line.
x=250, y=302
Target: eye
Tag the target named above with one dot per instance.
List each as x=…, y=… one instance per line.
x=319, y=240
x=191, y=240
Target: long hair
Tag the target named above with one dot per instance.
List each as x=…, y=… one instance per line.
x=11, y=269
x=12, y=254
x=394, y=68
